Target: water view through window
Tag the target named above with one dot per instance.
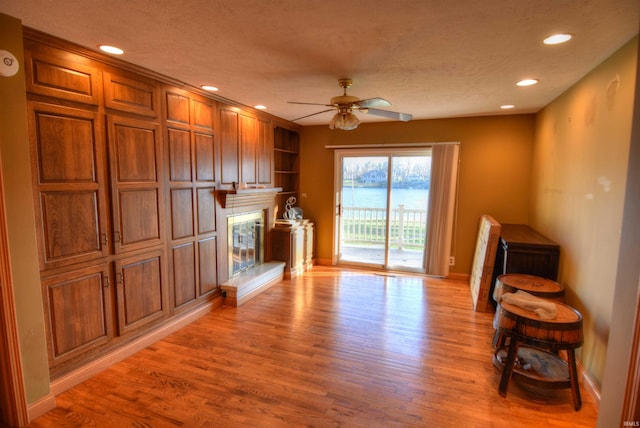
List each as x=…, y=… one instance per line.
x=384, y=201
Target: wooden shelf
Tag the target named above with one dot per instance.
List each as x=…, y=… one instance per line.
x=286, y=164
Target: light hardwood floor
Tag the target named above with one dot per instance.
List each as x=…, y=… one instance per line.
x=333, y=348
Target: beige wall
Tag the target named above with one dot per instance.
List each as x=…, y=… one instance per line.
x=495, y=171
x=578, y=190
x=14, y=148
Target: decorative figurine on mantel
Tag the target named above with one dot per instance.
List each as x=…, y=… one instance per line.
x=291, y=212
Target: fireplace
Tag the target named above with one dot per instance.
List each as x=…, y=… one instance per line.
x=246, y=241
x=249, y=270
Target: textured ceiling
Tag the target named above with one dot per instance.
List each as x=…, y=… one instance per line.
x=430, y=58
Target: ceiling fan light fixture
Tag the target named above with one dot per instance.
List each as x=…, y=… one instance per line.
x=344, y=120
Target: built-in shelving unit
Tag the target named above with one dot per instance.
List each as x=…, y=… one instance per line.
x=286, y=165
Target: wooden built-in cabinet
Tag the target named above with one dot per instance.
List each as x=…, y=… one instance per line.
x=78, y=305
x=96, y=145
x=246, y=149
x=69, y=155
x=293, y=243
x=135, y=156
x=141, y=291
x=126, y=166
x=286, y=165
x=191, y=174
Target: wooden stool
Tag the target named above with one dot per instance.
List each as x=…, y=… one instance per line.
x=534, y=285
x=527, y=356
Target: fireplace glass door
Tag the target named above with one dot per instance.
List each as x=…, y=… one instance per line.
x=246, y=237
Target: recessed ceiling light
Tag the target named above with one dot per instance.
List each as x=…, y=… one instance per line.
x=111, y=49
x=507, y=106
x=260, y=107
x=209, y=88
x=557, y=39
x=527, y=82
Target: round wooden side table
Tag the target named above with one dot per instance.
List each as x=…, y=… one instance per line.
x=528, y=357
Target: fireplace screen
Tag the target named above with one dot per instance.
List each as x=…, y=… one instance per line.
x=246, y=237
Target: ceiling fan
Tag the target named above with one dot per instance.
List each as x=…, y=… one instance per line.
x=346, y=104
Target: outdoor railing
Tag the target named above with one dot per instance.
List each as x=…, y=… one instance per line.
x=367, y=226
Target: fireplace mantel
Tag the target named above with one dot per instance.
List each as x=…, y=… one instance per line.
x=246, y=197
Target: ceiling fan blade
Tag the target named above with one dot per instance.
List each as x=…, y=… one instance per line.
x=404, y=117
x=312, y=114
x=373, y=102
x=309, y=104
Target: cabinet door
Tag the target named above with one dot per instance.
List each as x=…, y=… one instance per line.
x=135, y=158
x=248, y=142
x=78, y=308
x=131, y=93
x=229, y=147
x=60, y=74
x=191, y=167
x=67, y=146
x=141, y=291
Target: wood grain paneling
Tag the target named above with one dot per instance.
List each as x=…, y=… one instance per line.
x=192, y=176
x=134, y=95
x=66, y=146
x=179, y=155
x=248, y=143
x=184, y=275
x=138, y=215
x=207, y=265
x=70, y=222
x=69, y=176
x=181, y=213
x=62, y=75
x=137, y=196
x=203, y=114
x=79, y=307
x=205, y=149
x=141, y=297
x=264, y=153
x=134, y=147
x=206, y=210
x=178, y=109
x=229, y=147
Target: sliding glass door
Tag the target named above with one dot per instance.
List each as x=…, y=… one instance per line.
x=382, y=200
x=408, y=214
x=364, y=206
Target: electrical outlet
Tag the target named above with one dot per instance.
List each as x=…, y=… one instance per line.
x=452, y=261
